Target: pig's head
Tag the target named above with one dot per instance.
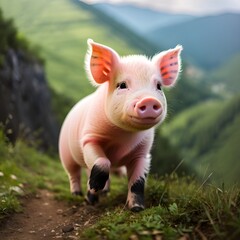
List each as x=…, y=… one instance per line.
x=135, y=99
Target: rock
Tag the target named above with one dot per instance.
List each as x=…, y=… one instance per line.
x=59, y=211
x=25, y=107
x=68, y=228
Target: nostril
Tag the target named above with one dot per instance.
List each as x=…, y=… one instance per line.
x=143, y=108
x=156, y=107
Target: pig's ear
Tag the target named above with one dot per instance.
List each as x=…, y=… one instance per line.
x=169, y=65
x=101, y=62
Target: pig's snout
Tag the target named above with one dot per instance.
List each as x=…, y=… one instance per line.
x=148, y=108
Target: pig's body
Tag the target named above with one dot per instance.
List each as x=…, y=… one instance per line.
x=87, y=122
x=114, y=126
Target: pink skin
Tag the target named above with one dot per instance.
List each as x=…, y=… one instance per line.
x=114, y=126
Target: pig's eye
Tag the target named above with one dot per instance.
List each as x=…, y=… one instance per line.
x=159, y=87
x=122, y=85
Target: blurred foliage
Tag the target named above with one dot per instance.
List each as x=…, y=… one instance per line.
x=208, y=136
x=11, y=39
x=61, y=104
x=225, y=80
x=188, y=92
x=166, y=158
x=8, y=34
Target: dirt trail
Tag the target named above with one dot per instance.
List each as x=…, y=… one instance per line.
x=43, y=217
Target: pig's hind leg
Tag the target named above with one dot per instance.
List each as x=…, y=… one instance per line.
x=71, y=167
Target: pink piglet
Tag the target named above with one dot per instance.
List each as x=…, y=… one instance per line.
x=114, y=126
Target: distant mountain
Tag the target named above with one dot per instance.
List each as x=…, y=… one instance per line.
x=208, y=41
x=141, y=20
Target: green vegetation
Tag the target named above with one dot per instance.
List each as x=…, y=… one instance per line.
x=225, y=80
x=175, y=206
x=207, y=136
x=11, y=39
x=22, y=171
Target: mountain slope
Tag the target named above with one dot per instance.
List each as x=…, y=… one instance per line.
x=208, y=41
x=61, y=29
x=141, y=20
x=25, y=106
x=208, y=137
x=225, y=80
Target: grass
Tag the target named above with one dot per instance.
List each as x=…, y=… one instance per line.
x=175, y=206
x=23, y=170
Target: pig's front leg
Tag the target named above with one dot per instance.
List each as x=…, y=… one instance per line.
x=137, y=173
x=99, y=167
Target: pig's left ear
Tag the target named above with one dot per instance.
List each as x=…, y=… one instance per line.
x=169, y=65
x=101, y=62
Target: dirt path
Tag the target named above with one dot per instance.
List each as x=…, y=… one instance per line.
x=43, y=217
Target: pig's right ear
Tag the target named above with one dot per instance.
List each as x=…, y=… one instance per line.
x=101, y=62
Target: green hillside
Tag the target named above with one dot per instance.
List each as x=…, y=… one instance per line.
x=60, y=28
x=226, y=79
x=208, y=136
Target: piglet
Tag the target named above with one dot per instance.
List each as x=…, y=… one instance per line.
x=114, y=126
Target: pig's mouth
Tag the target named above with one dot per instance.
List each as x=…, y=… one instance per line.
x=147, y=121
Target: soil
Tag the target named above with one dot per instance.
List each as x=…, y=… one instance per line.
x=44, y=217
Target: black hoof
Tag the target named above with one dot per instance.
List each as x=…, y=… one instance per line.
x=137, y=209
x=98, y=178
x=78, y=193
x=92, y=199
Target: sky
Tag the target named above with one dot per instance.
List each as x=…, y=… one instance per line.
x=195, y=7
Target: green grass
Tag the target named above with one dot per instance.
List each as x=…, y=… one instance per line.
x=23, y=170
x=61, y=28
x=175, y=206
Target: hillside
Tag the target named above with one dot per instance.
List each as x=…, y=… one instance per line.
x=208, y=136
x=25, y=103
x=225, y=80
x=61, y=28
x=209, y=41
x=60, y=31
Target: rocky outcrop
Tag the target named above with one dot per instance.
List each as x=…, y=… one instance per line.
x=25, y=108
